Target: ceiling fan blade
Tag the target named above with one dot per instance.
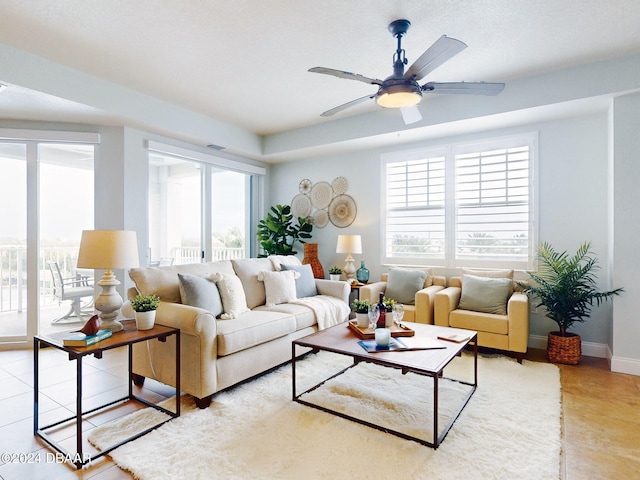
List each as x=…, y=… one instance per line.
x=470, y=88
x=347, y=75
x=411, y=114
x=442, y=50
x=344, y=106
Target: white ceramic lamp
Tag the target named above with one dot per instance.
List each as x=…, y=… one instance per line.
x=108, y=249
x=349, y=244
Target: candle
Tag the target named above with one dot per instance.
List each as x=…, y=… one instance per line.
x=382, y=336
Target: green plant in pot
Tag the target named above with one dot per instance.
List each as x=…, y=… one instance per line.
x=145, y=307
x=361, y=309
x=566, y=286
x=278, y=232
x=335, y=272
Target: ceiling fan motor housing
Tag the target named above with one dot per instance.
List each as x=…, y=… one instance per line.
x=399, y=92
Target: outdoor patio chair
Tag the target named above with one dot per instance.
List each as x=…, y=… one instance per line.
x=74, y=289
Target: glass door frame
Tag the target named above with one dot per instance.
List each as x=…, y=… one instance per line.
x=32, y=138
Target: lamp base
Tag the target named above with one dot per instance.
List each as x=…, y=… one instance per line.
x=109, y=302
x=113, y=325
x=349, y=269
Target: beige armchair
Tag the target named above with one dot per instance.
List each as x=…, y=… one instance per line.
x=422, y=309
x=507, y=330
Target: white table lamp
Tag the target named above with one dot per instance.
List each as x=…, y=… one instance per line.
x=108, y=249
x=349, y=244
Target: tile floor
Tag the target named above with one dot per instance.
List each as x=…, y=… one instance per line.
x=601, y=415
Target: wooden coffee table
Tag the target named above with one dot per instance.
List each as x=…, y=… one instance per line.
x=431, y=363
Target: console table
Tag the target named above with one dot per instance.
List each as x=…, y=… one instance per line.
x=127, y=337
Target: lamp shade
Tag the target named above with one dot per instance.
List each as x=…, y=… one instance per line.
x=349, y=244
x=108, y=249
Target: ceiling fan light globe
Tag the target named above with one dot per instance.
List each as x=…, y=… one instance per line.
x=399, y=99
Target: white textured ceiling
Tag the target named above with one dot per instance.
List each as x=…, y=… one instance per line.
x=245, y=62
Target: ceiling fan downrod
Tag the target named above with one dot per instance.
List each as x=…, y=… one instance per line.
x=398, y=29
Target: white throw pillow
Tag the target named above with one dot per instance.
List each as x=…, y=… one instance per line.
x=279, y=260
x=232, y=294
x=280, y=287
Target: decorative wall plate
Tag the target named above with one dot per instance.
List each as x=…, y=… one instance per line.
x=305, y=186
x=320, y=218
x=339, y=185
x=300, y=206
x=321, y=195
x=342, y=211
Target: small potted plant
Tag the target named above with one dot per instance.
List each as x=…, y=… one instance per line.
x=566, y=286
x=361, y=309
x=145, y=307
x=335, y=272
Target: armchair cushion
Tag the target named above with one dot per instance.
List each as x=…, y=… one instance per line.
x=200, y=292
x=485, y=294
x=403, y=284
x=305, y=283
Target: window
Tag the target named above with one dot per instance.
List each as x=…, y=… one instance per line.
x=463, y=205
x=199, y=206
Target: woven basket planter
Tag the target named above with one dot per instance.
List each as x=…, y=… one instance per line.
x=564, y=349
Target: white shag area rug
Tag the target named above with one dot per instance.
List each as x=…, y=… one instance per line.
x=510, y=429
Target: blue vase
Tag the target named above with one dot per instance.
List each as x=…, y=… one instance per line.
x=362, y=274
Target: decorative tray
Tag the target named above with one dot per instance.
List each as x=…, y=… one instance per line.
x=367, y=333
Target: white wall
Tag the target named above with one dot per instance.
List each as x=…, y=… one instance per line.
x=626, y=232
x=572, y=178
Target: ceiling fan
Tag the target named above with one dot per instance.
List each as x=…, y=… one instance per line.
x=401, y=89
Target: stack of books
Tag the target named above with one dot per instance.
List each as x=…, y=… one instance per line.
x=79, y=339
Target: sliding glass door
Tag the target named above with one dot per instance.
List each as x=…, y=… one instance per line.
x=66, y=200
x=46, y=200
x=197, y=211
x=13, y=241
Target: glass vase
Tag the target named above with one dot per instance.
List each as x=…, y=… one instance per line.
x=362, y=274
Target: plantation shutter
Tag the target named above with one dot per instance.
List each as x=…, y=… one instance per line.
x=492, y=205
x=415, y=210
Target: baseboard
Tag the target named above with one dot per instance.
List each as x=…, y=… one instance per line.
x=625, y=365
x=590, y=349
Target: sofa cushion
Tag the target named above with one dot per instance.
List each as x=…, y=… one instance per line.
x=303, y=315
x=305, y=283
x=252, y=328
x=247, y=270
x=485, y=294
x=234, y=301
x=402, y=284
x=200, y=292
x=280, y=287
x=164, y=282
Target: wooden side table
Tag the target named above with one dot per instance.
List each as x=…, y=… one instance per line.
x=126, y=337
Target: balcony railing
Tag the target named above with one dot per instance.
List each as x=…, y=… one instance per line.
x=13, y=270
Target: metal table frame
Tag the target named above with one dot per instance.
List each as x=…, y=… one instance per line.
x=435, y=375
x=117, y=340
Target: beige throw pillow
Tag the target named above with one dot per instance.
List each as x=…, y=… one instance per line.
x=485, y=294
x=234, y=301
x=280, y=287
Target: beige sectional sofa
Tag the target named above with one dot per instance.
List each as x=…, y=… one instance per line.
x=236, y=340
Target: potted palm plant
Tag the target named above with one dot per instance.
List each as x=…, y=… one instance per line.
x=145, y=307
x=566, y=286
